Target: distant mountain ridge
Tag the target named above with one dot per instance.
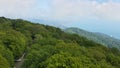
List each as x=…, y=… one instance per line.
x=51, y=23
x=97, y=37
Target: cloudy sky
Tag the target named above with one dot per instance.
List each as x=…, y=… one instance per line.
x=93, y=15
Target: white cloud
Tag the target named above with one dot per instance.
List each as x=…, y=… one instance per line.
x=61, y=9
x=109, y=10
x=64, y=9
x=16, y=8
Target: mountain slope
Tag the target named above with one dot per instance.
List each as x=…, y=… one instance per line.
x=49, y=47
x=97, y=37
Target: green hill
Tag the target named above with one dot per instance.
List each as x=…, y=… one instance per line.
x=49, y=47
x=96, y=37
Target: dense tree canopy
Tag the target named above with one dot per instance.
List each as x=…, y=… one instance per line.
x=49, y=47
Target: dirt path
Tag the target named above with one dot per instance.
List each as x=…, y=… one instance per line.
x=19, y=62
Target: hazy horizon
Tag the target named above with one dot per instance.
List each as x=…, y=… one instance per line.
x=92, y=15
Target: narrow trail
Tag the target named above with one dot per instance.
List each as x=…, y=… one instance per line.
x=20, y=61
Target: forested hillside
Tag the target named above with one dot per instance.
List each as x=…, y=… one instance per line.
x=49, y=47
x=97, y=37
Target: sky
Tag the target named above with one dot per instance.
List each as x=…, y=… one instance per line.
x=92, y=15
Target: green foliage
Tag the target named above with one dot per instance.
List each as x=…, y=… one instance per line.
x=15, y=41
x=39, y=53
x=7, y=54
x=3, y=62
x=49, y=47
x=97, y=37
x=62, y=60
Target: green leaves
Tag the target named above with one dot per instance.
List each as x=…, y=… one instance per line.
x=49, y=47
x=15, y=41
x=3, y=62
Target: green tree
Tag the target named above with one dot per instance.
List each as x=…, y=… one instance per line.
x=3, y=63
